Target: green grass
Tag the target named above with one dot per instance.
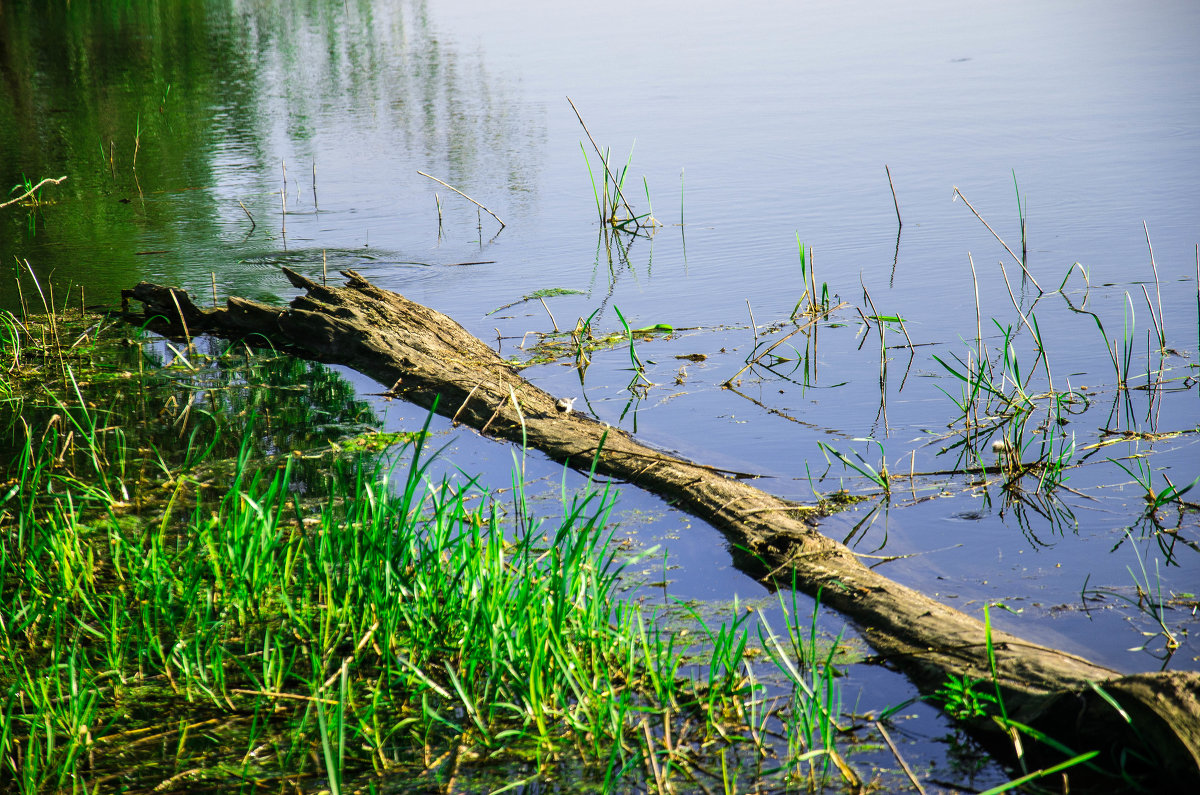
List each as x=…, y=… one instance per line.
x=879, y=476
x=183, y=608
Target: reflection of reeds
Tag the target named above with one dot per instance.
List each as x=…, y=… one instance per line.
x=1150, y=601
x=137, y=140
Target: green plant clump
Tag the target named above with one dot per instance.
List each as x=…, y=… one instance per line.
x=184, y=622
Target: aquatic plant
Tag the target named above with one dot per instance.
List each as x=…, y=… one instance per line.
x=1150, y=601
x=879, y=476
x=609, y=195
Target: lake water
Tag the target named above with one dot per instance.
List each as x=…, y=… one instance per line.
x=755, y=124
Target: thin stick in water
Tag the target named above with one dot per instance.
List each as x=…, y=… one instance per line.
x=25, y=308
x=905, y=330
x=978, y=316
x=681, y=197
x=32, y=190
x=186, y=334
x=1028, y=275
x=812, y=322
x=896, y=753
x=214, y=287
x=38, y=285
x=895, y=201
x=548, y=312
x=603, y=159
x=1037, y=337
x=248, y=215
x=878, y=323
x=465, y=196
x=137, y=141
x=812, y=279
x=1158, y=332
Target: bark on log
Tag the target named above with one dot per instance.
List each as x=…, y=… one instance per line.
x=425, y=356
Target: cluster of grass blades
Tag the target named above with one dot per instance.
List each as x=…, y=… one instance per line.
x=613, y=207
x=28, y=195
x=183, y=608
x=25, y=192
x=812, y=308
x=878, y=477
x=1002, y=414
x=812, y=303
x=580, y=342
x=1139, y=469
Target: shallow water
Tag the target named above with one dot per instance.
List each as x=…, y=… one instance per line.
x=754, y=124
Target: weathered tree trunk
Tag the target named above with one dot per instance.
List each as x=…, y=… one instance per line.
x=425, y=356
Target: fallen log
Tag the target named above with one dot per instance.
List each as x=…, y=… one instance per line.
x=428, y=359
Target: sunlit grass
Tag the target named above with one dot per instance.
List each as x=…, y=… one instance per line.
x=245, y=614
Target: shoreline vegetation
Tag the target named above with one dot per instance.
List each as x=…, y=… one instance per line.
x=299, y=606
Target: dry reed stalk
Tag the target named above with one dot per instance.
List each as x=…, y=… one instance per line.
x=551, y=314
x=248, y=215
x=465, y=196
x=32, y=190
x=896, y=753
x=603, y=160
x=729, y=381
x=895, y=201
x=1028, y=275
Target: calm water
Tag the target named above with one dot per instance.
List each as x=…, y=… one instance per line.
x=754, y=123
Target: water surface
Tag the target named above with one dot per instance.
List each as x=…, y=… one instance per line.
x=291, y=134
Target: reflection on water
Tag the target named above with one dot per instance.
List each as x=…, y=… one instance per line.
x=207, y=143
x=185, y=129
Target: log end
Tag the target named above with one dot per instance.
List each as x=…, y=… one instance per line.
x=1154, y=715
x=303, y=282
